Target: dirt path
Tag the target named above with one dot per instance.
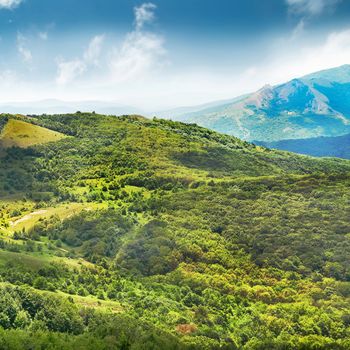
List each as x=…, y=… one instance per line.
x=27, y=217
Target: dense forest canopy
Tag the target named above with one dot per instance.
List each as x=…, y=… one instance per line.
x=130, y=233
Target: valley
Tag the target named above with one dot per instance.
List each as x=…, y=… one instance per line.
x=135, y=233
x=336, y=146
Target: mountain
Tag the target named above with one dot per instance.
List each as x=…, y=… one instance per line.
x=180, y=111
x=314, y=105
x=131, y=233
x=337, y=146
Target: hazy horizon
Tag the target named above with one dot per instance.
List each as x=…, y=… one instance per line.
x=164, y=54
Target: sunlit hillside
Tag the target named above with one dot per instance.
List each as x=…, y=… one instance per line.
x=131, y=233
x=20, y=133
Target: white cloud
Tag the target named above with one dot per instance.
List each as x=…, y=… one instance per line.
x=141, y=52
x=43, y=35
x=335, y=51
x=290, y=60
x=144, y=14
x=120, y=69
x=9, y=4
x=298, y=29
x=93, y=52
x=139, y=55
x=311, y=7
x=8, y=77
x=68, y=71
x=25, y=53
x=306, y=10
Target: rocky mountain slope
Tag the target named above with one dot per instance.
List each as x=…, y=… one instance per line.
x=311, y=106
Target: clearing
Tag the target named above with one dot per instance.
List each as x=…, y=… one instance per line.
x=22, y=134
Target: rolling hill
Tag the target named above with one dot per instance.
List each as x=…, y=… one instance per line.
x=131, y=233
x=23, y=134
x=311, y=106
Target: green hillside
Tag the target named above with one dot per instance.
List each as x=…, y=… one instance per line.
x=22, y=134
x=130, y=233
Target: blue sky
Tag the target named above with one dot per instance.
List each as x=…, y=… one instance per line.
x=164, y=53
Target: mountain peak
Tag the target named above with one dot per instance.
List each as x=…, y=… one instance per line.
x=266, y=87
x=314, y=105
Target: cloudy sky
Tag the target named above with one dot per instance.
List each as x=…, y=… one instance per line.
x=164, y=53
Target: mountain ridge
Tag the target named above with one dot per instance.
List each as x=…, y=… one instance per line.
x=309, y=106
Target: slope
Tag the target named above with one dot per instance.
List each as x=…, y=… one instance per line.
x=23, y=134
x=310, y=106
x=171, y=236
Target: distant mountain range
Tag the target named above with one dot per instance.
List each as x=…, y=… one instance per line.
x=337, y=146
x=52, y=106
x=314, y=105
x=305, y=115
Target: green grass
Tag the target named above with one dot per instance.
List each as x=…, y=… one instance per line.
x=28, y=261
x=62, y=211
x=23, y=134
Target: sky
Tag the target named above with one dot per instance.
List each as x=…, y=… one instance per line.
x=163, y=54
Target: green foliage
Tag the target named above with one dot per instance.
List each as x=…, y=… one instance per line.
x=182, y=238
x=43, y=316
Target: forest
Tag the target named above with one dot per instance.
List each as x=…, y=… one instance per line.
x=134, y=233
